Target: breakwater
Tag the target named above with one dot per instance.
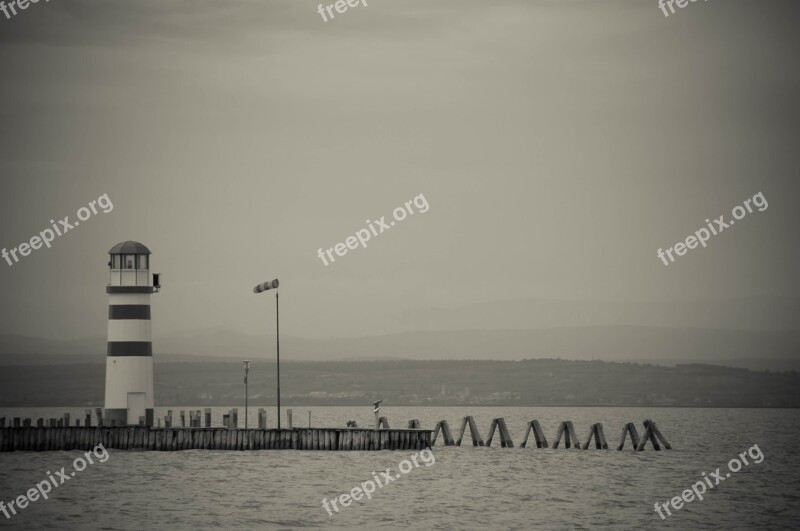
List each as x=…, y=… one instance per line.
x=59, y=435
x=42, y=439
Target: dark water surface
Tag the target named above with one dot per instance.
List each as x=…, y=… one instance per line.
x=466, y=487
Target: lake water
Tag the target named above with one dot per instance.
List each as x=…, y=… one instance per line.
x=465, y=488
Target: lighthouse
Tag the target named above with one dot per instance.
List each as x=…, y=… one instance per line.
x=129, y=356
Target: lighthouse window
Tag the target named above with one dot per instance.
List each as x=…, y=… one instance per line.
x=116, y=261
x=142, y=258
x=129, y=260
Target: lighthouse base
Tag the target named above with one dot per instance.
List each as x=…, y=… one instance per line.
x=119, y=417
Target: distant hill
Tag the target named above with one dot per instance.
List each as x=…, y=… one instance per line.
x=544, y=382
x=750, y=348
x=751, y=313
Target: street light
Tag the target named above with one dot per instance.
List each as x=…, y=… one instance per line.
x=246, y=370
x=273, y=284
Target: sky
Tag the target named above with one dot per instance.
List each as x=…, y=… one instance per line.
x=558, y=145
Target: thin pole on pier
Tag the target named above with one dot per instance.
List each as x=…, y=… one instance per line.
x=278, y=351
x=246, y=370
x=273, y=284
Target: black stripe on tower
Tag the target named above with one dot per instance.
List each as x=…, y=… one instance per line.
x=129, y=311
x=130, y=348
x=129, y=289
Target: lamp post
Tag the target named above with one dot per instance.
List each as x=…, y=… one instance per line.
x=246, y=370
x=376, y=409
x=273, y=284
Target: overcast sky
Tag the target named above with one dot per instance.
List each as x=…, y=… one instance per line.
x=559, y=144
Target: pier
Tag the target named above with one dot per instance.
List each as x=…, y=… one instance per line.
x=58, y=435
x=44, y=439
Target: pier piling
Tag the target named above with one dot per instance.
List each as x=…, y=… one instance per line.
x=570, y=438
x=505, y=437
x=446, y=435
x=538, y=435
x=657, y=433
x=477, y=440
x=596, y=431
x=650, y=434
x=629, y=428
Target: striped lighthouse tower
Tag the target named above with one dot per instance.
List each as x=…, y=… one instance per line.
x=129, y=360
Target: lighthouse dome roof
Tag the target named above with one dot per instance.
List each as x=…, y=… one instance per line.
x=129, y=247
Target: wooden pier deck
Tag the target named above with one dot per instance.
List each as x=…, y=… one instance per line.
x=40, y=439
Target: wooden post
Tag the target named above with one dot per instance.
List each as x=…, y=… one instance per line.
x=226, y=420
x=657, y=433
x=183, y=418
x=462, y=431
x=207, y=417
x=596, y=431
x=413, y=424
x=491, y=432
x=573, y=437
x=2, y=422
x=629, y=428
x=473, y=431
x=235, y=417
x=538, y=435
x=446, y=435
x=39, y=423
x=98, y=411
x=559, y=433
x=88, y=418
x=66, y=420
x=262, y=418
x=289, y=418
x=505, y=437
x=648, y=435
